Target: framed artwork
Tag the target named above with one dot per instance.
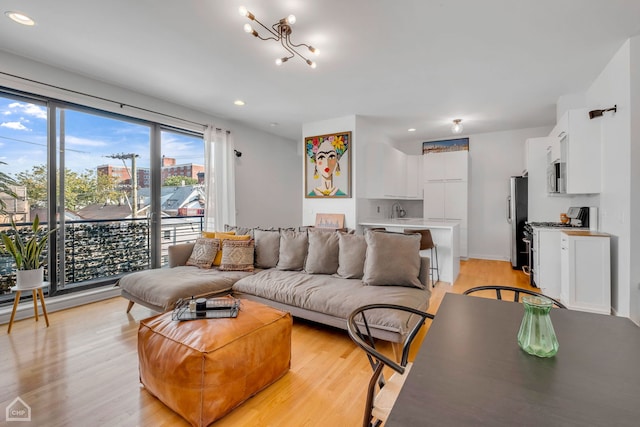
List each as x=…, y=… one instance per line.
x=327, y=166
x=459, y=144
x=332, y=221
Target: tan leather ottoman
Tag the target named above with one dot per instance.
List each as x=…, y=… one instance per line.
x=202, y=369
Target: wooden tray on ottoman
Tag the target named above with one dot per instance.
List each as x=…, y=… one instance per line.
x=202, y=369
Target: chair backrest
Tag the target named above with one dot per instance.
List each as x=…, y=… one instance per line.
x=426, y=241
x=359, y=331
x=516, y=292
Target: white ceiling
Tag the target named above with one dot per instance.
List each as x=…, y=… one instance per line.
x=497, y=64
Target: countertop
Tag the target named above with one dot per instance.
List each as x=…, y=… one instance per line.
x=588, y=233
x=406, y=222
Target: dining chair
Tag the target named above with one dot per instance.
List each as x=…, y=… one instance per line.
x=499, y=290
x=382, y=392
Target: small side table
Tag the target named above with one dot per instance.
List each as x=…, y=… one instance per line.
x=35, y=291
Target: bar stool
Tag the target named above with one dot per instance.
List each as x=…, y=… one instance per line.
x=426, y=243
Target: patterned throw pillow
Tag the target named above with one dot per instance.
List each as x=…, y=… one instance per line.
x=224, y=237
x=204, y=252
x=237, y=255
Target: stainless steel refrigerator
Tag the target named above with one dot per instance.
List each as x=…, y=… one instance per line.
x=517, y=217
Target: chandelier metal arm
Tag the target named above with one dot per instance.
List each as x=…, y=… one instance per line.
x=280, y=32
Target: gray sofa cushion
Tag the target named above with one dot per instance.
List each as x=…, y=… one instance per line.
x=332, y=295
x=322, y=257
x=351, y=255
x=160, y=288
x=293, y=250
x=267, y=247
x=393, y=259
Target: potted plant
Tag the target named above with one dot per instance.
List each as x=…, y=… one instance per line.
x=27, y=253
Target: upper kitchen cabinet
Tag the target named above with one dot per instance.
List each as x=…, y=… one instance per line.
x=447, y=166
x=578, y=140
x=392, y=174
x=446, y=190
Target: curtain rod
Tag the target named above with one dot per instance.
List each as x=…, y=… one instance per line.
x=121, y=104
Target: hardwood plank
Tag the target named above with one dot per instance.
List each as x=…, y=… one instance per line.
x=83, y=369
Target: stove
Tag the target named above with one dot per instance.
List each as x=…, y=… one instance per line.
x=551, y=224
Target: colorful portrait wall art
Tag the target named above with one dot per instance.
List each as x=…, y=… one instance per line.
x=327, y=165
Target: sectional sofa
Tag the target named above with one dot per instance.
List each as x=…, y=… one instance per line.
x=314, y=274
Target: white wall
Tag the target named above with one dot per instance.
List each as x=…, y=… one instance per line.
x=493, y=158
x=347, y=206
x=634, y=292
x=268, y=182
x=259, y=201
x=611, y=87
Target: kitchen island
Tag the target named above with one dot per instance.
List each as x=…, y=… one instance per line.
x=446, y=236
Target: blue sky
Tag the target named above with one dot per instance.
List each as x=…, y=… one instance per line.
x=89, y=139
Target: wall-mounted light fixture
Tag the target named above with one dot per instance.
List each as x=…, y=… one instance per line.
x=281, y=32
x=457, y=126
x=598, y=113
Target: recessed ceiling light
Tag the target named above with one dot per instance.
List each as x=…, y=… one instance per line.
x=273, y=124
x=239, y=102
x=20, y=18
x=411, y=130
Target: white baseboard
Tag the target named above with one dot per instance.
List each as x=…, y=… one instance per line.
x=62, y=302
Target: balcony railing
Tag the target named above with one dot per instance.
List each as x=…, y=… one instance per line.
x=101, y=249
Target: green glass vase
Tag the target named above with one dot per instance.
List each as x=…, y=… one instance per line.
x=536, y=335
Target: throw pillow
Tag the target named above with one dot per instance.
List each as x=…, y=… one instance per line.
x=238, y=230
x=267, y=247
x=225, y=236
x=212, y=234
x=392, y=259
x=237, y=255
x=352, y=250
x=204, y=252
x=293, y=250
x=322, y=257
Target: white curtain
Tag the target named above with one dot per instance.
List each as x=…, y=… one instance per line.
x=220, y=180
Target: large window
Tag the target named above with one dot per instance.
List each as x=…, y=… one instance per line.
x=117, y=201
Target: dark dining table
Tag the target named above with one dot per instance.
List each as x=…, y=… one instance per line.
x=470, y=370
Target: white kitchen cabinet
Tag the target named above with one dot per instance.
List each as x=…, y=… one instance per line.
x=391, y=174
x=447, y=166
x=579, y=142
x=546, y=261
x=446, y=189
x=586, y=271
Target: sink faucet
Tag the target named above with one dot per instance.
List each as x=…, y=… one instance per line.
x=397, y=211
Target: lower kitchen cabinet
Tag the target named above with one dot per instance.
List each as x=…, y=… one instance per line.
x=585, y=267
x=546, y=261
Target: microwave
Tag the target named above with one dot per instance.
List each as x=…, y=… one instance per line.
x=555, y=180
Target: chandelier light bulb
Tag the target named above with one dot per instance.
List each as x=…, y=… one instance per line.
x=248, y=28
x=279, y=61
x=311, y=63
x=291, y=19
x=457, y=126
x=242, y=10
x=314, y=50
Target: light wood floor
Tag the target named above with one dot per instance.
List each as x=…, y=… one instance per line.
x=83, y=369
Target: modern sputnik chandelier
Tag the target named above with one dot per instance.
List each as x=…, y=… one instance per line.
x=281, y=32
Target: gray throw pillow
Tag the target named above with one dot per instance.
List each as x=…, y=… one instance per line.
x=293, y=250
x=351, y=253
x=267, y=247
x=322, y=257
x=392, y=259
x=239, y=230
